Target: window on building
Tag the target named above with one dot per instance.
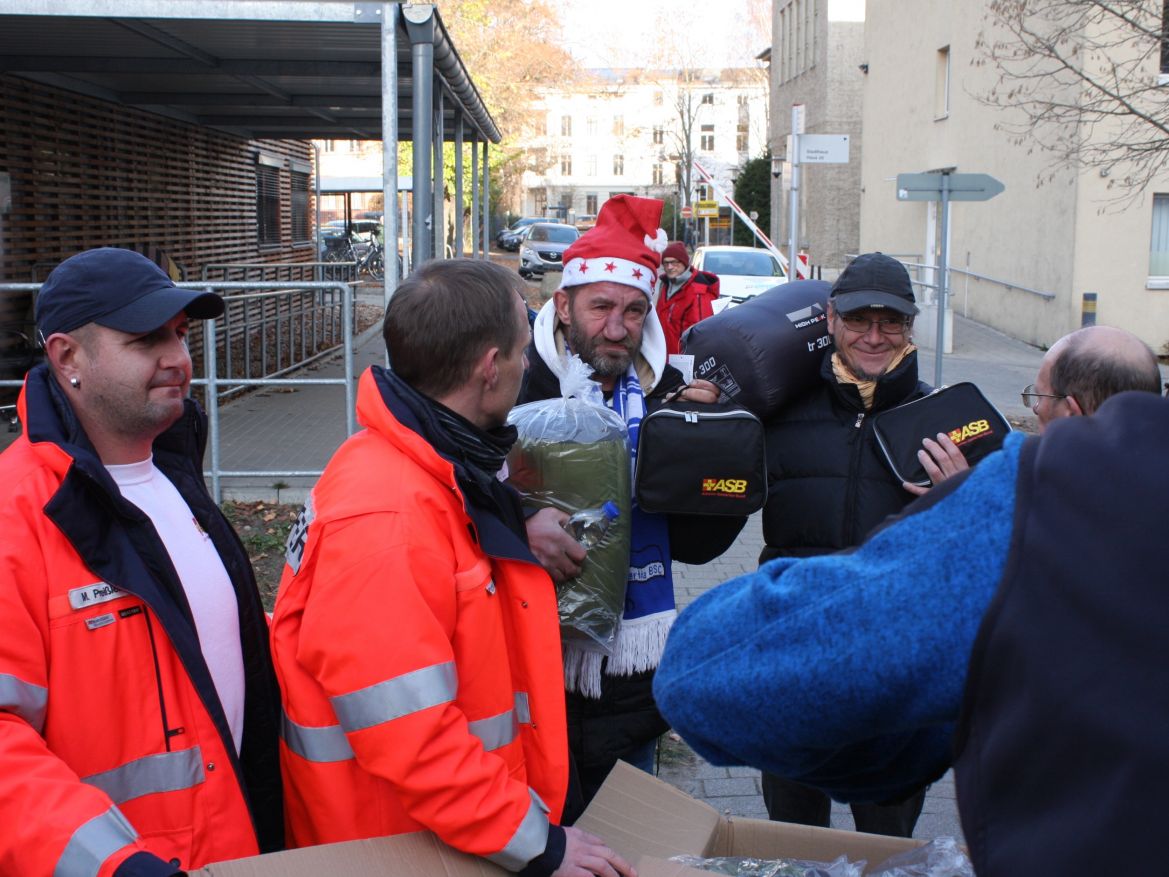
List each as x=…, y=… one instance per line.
x=742, y=100
x=659, y=135
x=942, y=84
x=591, y=205
x=741, y=138
x=708, y=98
x=658, y=175
x=268, y=201
x=706, y=142
x=618, y=165
x=618, y=126
x=591, y=126
x=797, y=38
x=1164, y=43
x=300, y=207
x=591, y=166
x=1159, y=246
x=566, y=126
x=566, y=165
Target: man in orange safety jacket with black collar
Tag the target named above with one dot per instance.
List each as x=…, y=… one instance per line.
x=415, y=636
x=138, y=707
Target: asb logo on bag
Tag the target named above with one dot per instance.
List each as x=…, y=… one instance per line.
x=732, y=488
x=972, y=431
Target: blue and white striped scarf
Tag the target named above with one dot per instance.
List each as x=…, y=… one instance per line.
x=649, y=594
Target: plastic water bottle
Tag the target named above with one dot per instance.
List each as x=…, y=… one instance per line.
x=588, y=526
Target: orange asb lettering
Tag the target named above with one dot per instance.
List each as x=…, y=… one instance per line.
x=971, y=431
x=726, y=486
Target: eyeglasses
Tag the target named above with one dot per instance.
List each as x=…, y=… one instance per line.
x=885, y=325
x=1031, y=398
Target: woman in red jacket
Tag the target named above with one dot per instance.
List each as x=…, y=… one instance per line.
x=685, y=295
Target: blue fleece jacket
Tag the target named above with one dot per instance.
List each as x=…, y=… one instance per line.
x=846, y=671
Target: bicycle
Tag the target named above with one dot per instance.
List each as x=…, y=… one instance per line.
x=371, y=260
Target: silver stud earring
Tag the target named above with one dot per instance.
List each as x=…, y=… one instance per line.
x=75, y=383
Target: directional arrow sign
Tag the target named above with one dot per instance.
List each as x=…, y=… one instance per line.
x=959, y=187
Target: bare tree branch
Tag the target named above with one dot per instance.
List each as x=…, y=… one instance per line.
x=1084, y=80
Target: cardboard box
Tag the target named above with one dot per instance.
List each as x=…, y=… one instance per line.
x=647, y=821
x=642, y=818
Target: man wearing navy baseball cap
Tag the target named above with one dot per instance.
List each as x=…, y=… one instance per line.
x=138, y=703
x=828, y=485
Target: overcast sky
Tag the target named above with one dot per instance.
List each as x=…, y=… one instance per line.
x=632, y=33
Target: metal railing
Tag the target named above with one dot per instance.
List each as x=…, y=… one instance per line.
x=279, y=272
x=212, y=381
x=213, y=342
x=951, y=269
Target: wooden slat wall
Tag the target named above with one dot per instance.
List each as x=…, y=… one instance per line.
x=86, y=173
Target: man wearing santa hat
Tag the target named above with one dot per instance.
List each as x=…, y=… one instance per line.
x=603, y=313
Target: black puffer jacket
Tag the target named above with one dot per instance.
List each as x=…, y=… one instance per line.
x=828, y=482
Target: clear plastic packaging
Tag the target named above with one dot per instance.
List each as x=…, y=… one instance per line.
x=941, y=857
x=741, y=866
x=573, y=454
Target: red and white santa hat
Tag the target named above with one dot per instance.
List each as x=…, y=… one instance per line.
x=625, y=246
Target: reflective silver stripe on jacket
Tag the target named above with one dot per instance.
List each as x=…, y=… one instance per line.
x=401, y=696
x=165, y=772
x=93, y=843
x=25, y=699
x=529, y=839
x=497, y=731
x=324, y=744
x=522, y=710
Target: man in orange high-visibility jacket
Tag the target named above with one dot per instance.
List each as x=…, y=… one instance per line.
x=138, y=708
x=416, y=638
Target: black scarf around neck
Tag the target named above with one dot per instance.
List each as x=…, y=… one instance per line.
x=481, y=451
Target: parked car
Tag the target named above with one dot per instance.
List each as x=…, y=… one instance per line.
x=509, y=238
x=742, y=272
x=543, y=247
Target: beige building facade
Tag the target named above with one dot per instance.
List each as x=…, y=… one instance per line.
x=1025, y=260
x=816, y=60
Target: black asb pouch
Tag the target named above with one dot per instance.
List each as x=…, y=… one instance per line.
x=960, y=411
x=701, y=459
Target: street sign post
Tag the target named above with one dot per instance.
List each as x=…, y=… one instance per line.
x=687, y=212
x=959, y=187
x=945, y=187
x=706, y=209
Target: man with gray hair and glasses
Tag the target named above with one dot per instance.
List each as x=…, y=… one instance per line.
x=1078, y=372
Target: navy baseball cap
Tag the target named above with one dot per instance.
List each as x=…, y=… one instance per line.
x=874, y=280
x=118, y=289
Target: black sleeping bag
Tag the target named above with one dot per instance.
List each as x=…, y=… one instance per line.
x=767, y=350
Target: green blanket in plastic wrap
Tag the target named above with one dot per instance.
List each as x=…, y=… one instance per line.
x=573, y=454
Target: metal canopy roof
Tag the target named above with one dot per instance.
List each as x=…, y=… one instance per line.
x=261, y=70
